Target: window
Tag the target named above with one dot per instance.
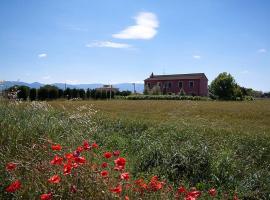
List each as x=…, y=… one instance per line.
x=180, y=84
x=169, y=85
x=191, y=84
x=149, y=85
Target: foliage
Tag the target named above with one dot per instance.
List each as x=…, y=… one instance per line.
x=165, y=97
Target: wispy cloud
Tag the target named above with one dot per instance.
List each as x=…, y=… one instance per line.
x=46, y=77
x=108, y=44
x=196, y=57
x=262, y=50
x=145, y=27
x=42, y=55
x=244, y=72
x=72, y=82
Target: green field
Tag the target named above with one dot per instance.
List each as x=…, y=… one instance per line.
x=200, y=144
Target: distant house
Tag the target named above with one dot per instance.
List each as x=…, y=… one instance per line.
x=189, y=84
x=107, y=89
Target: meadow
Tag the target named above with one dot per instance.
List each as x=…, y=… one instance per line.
x=195, y=144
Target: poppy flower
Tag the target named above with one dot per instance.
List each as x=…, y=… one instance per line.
x=80, y=160
x=86, y=145
x=181, y=190
x=14, y=186
x=47, y=196
x=73, y=189
x=54, y=179
x=56, y=147
x=124, y=176
x=107, y=154
x=67, y=168
x=79, y=149
x=141, y=185
x=57, y=160
x=116, y=153
x=120, y=163
x=117, y=189
x=11, y=166
x=104, y=165
x=94, y=145
x=212, y=192
x=69, y=156
x=126, y=198
x=104, y=173
x=155, y=184
x=193, y=195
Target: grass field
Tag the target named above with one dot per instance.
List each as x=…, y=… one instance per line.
x=200, y=144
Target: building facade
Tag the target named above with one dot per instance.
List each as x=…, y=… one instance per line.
x=195, y=84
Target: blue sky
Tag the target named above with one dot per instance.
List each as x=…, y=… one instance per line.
x=114, y=41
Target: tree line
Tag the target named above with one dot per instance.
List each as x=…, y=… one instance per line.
x=51, y=92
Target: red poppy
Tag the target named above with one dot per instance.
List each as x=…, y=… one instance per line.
x=14, y=186
x=69, y=156
x=11, y=166
x=107, y=154
x=212, y=192
x=80, y=160
x=56, y=147
x=155, y=184
x=104, y=165
x=54, y=179
x=124, y=176
x=126, y=198
x=117, y=189
x=120, y=163
x=73, y=189
x=142, y=186
x=193, y=195
x=104, y=173
x=67, y=168
x=94, y=145
x=47, y=196
x=86, y=145
x=57, y=160
x=79, y=149
x=116, y=153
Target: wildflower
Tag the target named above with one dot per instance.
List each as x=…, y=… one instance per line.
x=11, y=166
x=124, y=176
x=56, y=147
x=86, y=145
x=14, y=186
x=79, y=149
x=104, y=165
x=57, y=160
x=126, y=198
x=80, y=160
x=120, y=163
x=235, y=197
x=76, y=153
x=104, y=173
x=73, y=189
x=47, y=196
x=67, y=168
x=117, y=189
x=212, y=192
x=69, y=156
x=107, y=154
x=193, y=195
x=116, y=153
x=141, y=185
x=54, y=179
x=181, y=190
x=94, y=145
x=155, y=184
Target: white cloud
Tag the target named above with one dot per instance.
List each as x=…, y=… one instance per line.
x=108, y=44
x=71, y=82
x=46, y=77
x=244, y=72
x=196, y=57
x=145, y=28
x=262, y=50
x=42, y=55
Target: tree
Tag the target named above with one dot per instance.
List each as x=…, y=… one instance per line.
x=23, y=92
x=223, y=86
x=88, y=93
x=48, y=92
x=33, y=94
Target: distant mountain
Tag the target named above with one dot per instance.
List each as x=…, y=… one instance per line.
x=122, y=86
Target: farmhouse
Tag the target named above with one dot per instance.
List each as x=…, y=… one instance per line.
x=190, y=84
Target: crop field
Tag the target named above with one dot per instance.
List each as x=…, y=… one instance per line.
x=197, y=149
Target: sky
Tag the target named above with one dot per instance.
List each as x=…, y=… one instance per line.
x=117, y=41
